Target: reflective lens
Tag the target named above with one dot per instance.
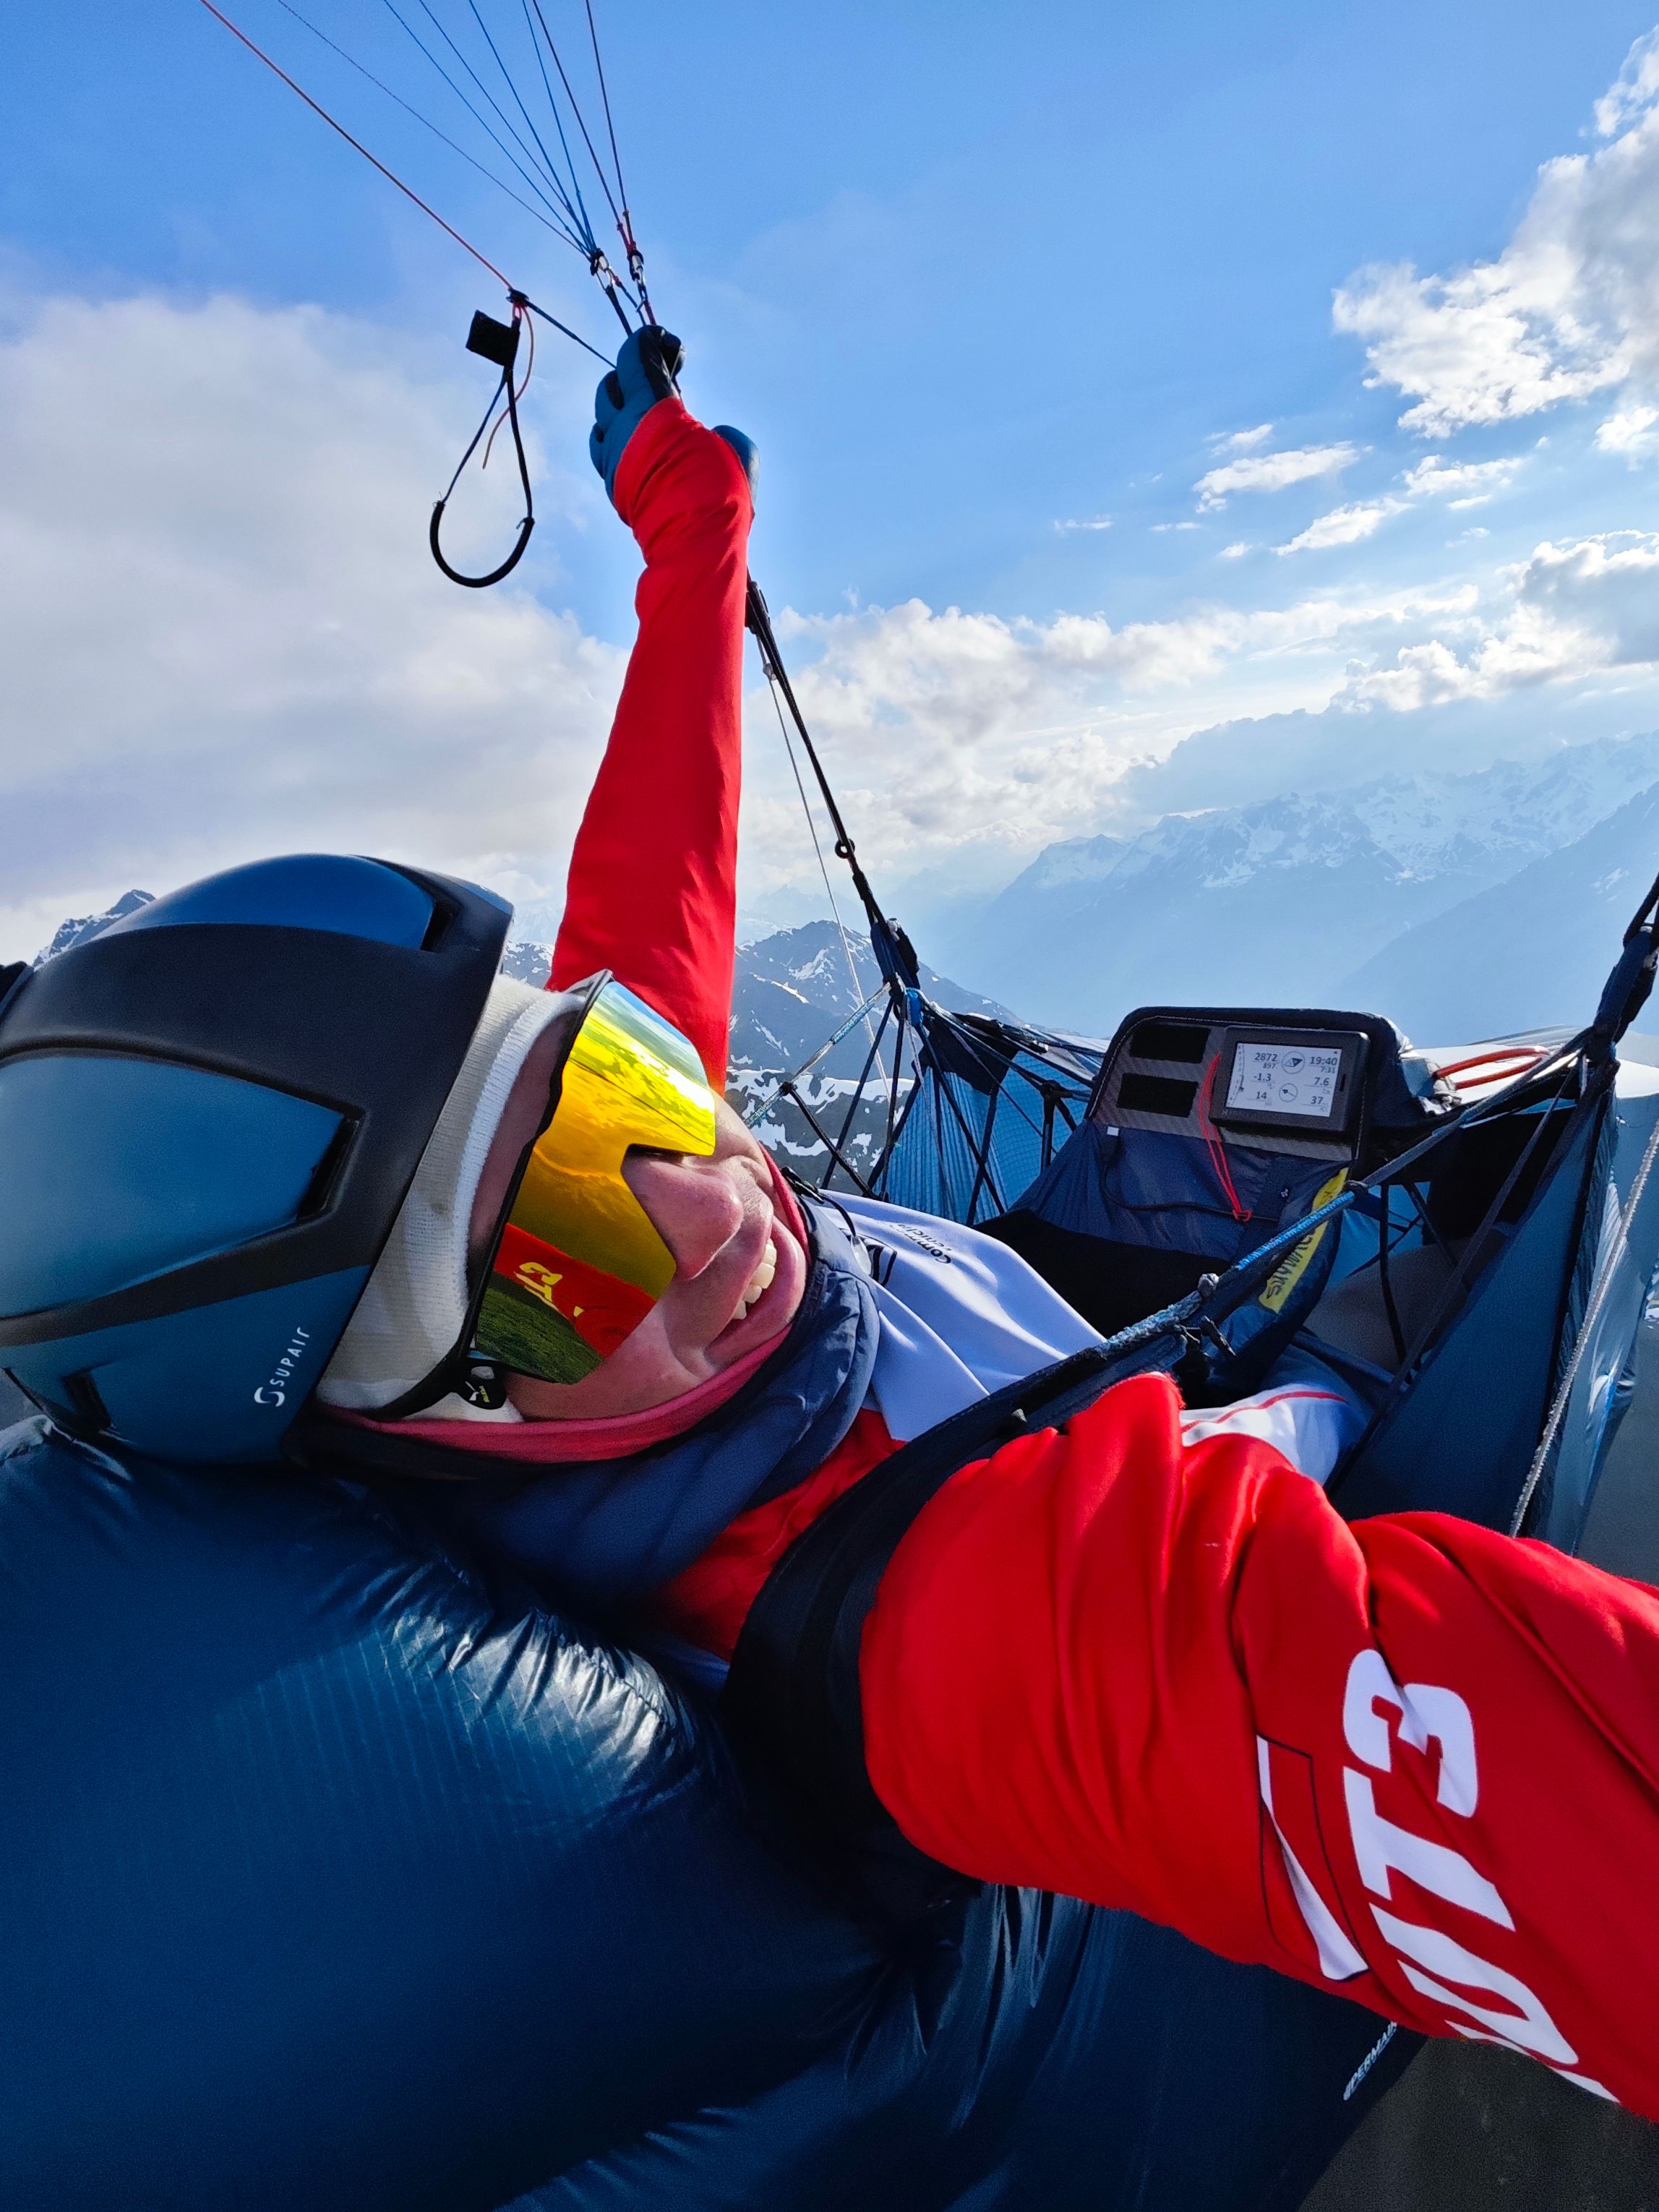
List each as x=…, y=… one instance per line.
x=578, y=1265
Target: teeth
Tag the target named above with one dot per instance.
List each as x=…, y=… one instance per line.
x=760, y=1282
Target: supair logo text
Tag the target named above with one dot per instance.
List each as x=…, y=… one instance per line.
x=275, y=1391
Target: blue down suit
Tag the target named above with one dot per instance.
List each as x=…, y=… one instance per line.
x=334, y=1874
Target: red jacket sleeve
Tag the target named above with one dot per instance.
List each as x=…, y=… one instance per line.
x=653, y=884
x=1407, y=1759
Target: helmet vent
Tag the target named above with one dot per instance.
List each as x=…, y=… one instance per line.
x=90, y=1411
x=81, y=1410
x=319, y=1191
x=444, y=912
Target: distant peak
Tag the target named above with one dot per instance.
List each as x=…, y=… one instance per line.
x=79, y=927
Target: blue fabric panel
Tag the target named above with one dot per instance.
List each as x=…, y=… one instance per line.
x=1147, y=1187
x=1615, y=1268
x=1462, y=1440
x=328, y=1881
x=113, y=1170
x=936, y=1165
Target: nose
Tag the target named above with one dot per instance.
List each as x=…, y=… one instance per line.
x=692, y=1204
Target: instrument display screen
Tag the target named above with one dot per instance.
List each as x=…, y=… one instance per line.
x=1307, y=1080
x=1284, y=1078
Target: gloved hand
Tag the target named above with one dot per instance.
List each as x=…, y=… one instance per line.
x=646, y=372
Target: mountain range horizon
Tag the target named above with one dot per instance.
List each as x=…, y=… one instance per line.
x=1461, y=905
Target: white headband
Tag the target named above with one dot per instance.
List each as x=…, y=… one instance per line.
x=413, y=1310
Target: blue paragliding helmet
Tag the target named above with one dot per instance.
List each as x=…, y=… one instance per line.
x=209, y=1115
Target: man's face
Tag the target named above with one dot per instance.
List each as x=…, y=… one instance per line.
x=738, y=1273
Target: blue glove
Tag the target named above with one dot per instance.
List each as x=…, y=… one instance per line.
x=745, y=449
x=646, y=368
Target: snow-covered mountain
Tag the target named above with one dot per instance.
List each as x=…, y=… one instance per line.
x=794, y=988
x=1529, y=952
x=1281, y=902
x=80, y=927
x=791, y=991
x=1462, y=905
x=528, y=961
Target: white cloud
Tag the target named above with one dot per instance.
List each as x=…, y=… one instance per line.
x=1464, y=484
x=1343, y=525
x=1605, y=587
x=951, y=731
x=1629, y=431
x=224, y=636
x=1096, y=522
x=1634, y=88
x=1569, y=308
x=1566, y=613
x=1271, y=471
x=1242, y=441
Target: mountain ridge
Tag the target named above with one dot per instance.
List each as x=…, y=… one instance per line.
x=1279, y=900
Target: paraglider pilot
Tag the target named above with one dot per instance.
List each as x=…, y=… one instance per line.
x=1137, y=1658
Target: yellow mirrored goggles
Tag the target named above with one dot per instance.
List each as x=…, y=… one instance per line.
x=577, y=1264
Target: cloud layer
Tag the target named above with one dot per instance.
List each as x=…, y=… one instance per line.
x=225, y=636
x=1569, y=309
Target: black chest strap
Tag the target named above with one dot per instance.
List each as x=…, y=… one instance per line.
x=791, y=1697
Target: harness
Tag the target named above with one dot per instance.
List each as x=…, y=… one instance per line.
x=792, y=1697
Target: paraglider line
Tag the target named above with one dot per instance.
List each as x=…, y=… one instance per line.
x=565, y=328
x=529, y=371
x=624, y=220
x=575, y=109
x=317, y=109
x=518, y=100
x=505, y=118
x=812, y=831
x=558, y=124
x=557, y=225
x=604, y=95
x=562, y=208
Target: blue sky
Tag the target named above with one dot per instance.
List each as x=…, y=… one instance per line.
x=1078, y=341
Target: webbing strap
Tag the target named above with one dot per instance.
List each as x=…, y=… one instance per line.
x=793, y=1692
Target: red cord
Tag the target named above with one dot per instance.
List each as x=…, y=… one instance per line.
x=1503, y=1052
x=529, y=328
x=1214, y=1143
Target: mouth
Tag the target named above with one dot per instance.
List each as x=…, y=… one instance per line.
x=768, y=1287
x=759, y=1283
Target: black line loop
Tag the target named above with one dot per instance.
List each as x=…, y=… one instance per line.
x=455, y=576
